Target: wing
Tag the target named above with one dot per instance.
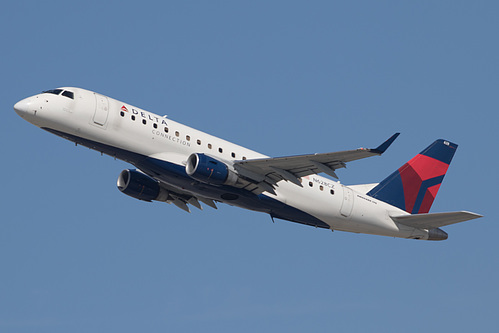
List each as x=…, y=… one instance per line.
x=291, y=168
x=434, y=220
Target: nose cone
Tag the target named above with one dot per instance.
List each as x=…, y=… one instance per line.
x=23, y=107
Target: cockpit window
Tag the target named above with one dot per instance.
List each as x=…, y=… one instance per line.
x=53, y=91
x=66, y=93
x=69, y=94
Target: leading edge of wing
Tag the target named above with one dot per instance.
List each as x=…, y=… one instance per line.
x=291, y=168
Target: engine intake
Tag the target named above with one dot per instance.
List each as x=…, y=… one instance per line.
x=140, y=186
x=208, y=170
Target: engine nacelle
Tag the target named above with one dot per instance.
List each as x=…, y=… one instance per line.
x=140, y=186
x=208, y=170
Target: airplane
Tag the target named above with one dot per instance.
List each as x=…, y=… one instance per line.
x=186, y=167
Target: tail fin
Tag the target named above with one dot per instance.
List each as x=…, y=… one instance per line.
x=413, y=186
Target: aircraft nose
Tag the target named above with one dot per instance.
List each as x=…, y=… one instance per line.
x=23, y=107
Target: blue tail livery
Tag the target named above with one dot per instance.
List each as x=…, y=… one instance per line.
x=413, y=186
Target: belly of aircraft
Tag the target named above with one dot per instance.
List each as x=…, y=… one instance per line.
x=176, y=176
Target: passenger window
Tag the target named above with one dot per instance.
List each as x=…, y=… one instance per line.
x=188, y=138
x=244, y=158
x=133, y=117
x=233, y=155
x=321, y=188
x=155, y=125
x=166, y=129
x=144, y=121
x=332, y=191
x=310, y=184
x=122, y=113
x=209, y=145
x=177, y=133
x=220, y=150
x=199, y=142
x=68, y=94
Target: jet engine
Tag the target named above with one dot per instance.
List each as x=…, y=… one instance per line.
x=140, y=186
x=208, y=170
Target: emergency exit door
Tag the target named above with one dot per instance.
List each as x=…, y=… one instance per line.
x=101, y=109
x=347, y=205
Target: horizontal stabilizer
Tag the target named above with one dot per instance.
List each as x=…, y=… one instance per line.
x=434, y=220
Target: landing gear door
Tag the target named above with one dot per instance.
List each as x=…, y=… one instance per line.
x=101, y=110
x=347, y=205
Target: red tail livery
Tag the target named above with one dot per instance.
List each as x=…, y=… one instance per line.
x=413, y=186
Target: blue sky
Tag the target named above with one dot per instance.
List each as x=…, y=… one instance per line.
x=282, y=78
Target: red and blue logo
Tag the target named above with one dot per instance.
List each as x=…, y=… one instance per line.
x=413, y=186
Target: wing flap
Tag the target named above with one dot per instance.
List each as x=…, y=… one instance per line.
x=181, y=199
x=434, y=220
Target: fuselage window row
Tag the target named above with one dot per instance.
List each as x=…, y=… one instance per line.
x=311, y=184
x=177, y=134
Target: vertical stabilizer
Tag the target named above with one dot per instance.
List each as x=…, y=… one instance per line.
x=413, y=186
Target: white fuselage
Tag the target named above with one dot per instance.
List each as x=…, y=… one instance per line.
x=130, y=133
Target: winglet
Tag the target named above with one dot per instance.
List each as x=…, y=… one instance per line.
x=384, y=146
